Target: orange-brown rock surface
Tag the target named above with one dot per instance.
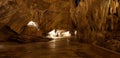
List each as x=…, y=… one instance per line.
x=91, y=18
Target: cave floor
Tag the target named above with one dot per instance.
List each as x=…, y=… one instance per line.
x=58, y=48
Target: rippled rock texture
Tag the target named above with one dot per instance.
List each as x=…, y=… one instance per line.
x=91, y=18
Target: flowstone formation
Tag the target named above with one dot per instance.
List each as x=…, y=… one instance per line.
x=95, y=18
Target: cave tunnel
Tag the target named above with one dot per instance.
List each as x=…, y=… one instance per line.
x=48, y=31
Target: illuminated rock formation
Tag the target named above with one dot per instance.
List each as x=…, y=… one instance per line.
x=89, y=17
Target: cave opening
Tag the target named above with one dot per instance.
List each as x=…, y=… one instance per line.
x=59, y=33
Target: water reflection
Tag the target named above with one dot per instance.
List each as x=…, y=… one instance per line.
x=59, y=43
x=68, y=42
x=58, y=40
x=52, y=43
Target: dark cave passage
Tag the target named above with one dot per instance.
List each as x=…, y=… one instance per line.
x=77, y=2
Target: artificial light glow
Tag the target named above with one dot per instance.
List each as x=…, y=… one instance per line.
x=52, y=33
x=66, y=33
x=75, y=32
x=33, y=24
x=58, y=34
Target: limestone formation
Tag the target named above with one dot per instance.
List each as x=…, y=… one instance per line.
x=88, y=17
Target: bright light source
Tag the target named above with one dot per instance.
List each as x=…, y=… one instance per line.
x=52, y=33
x=75, y=32
x=66, y=33
x=58, y=34
x=33, y=24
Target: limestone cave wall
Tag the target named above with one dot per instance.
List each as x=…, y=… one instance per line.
x=91, y=18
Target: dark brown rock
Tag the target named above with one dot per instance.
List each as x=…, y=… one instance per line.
x=5, y=33
x=29, y=38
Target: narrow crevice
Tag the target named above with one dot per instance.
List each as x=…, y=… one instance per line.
x=77, y=2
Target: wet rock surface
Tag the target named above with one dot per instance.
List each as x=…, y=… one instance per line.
x=94, y=20
x=58, y=48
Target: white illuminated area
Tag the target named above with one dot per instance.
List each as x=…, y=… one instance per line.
x=58, y=34
x=33, y=24
x=52, y=34
x=67, y=33
x=75, y=32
